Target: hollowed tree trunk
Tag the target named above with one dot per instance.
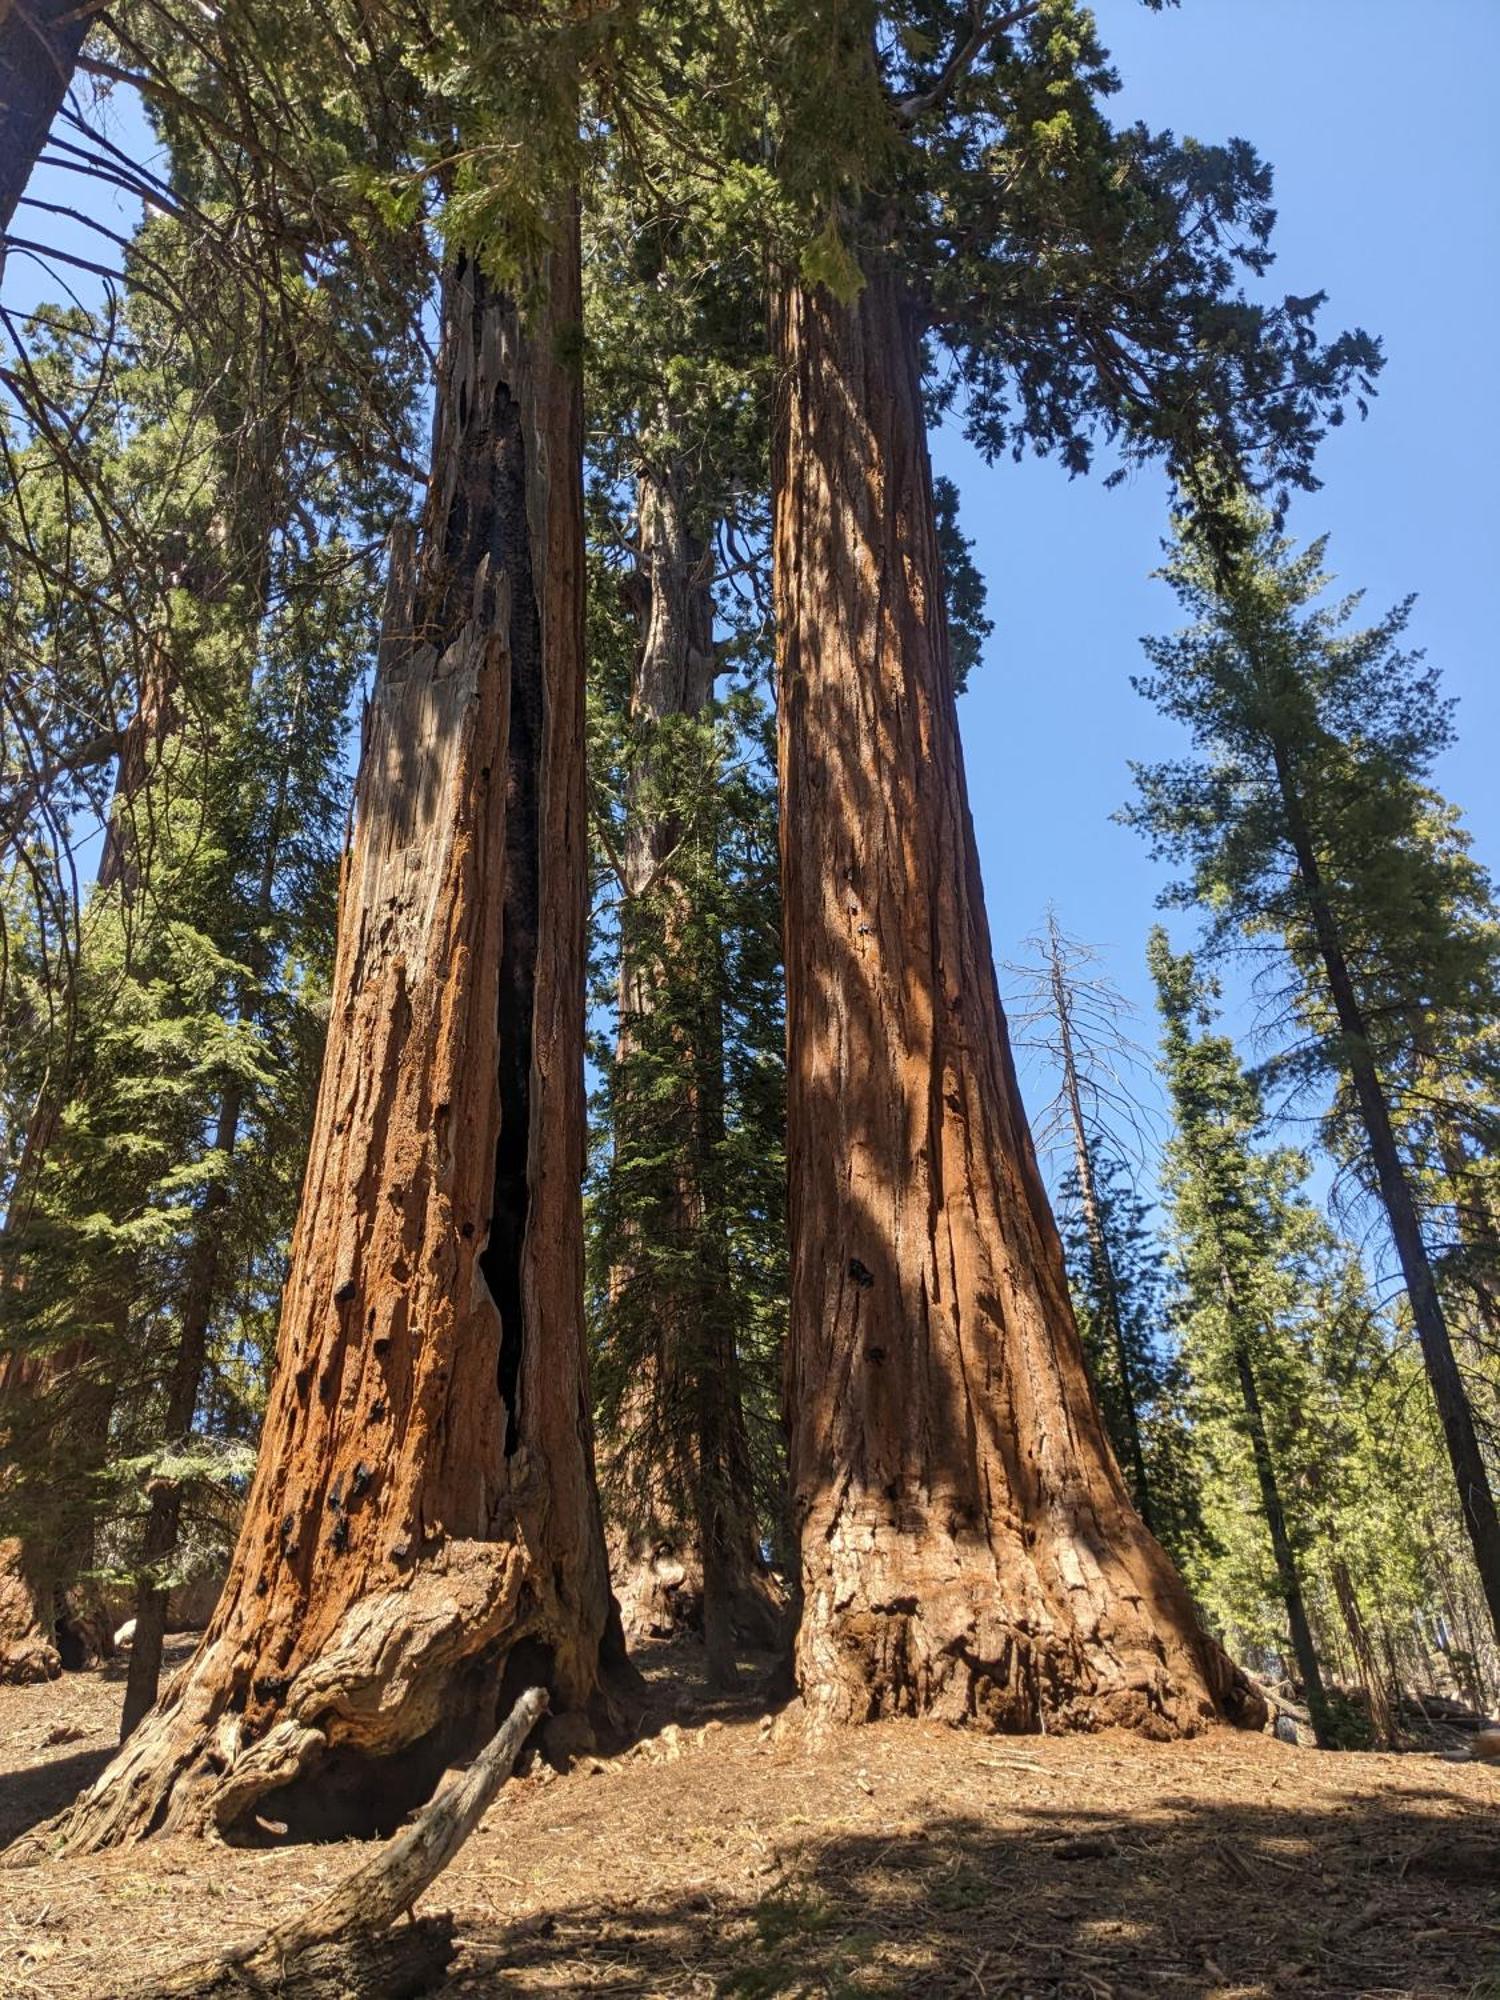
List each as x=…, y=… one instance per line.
x=423, y=1526
x=968, y=1548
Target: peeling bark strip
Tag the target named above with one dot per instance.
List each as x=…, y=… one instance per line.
x=424, y=1499
x=968, y=1549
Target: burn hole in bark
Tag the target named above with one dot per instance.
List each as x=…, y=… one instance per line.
x=509, y=547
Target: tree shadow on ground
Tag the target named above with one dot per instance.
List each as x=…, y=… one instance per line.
x=1371, y=1898
x=34, y=1793
x=675, y=1687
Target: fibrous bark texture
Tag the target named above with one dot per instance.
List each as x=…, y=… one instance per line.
x=968, y=1548
x=423, y=1526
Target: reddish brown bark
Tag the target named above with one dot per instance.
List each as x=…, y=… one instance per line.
x=423, y=1524
x=968, y=1548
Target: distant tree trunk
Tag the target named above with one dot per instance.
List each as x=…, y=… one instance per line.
x=685, y=1403
x=1479, y=1236
x=968, y=1547
x=1382, y=1716
x=200, y=1296
x=164, y=1509
x=423, y=1529
x=1394, y=1185
x=63, y=1397
x=1288, y=1570
x=1106, y=1286
x=40, y=43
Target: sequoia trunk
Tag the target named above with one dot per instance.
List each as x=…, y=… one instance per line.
x=423, y=1527
x=689, y=1510
x=968, y=1548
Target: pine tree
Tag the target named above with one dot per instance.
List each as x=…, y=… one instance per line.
x=1306, y=817
x=1235, y=1218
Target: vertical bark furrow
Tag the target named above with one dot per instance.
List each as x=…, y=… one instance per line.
x=395, y=1551
x=968, y=1547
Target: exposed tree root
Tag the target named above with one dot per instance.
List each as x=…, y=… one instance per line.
x=375, y=1689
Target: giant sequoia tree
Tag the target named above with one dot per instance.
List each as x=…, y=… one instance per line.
x=424, y=1502
x=968, y=1547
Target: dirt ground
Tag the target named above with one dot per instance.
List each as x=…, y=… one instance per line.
x=721, y=1855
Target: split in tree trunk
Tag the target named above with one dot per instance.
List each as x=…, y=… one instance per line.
x=423, y=1528
x=968, y=1547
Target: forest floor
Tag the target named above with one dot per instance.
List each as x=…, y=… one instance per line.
x=724, y=1855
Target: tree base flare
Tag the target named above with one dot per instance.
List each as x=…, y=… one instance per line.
x=658, y=1586
x=972, y=1635
x=358, y=1735
x=345, y=1946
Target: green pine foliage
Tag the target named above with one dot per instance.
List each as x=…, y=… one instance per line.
x=162, y=1030
x=1137, y=1374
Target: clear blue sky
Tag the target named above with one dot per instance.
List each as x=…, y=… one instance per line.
x=1379, y=118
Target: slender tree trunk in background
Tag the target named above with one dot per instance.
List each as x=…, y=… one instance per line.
x=423, y=1529
x=1479, y=1234
x=685, y=1403
x=200, y=1297
x=968, y=1547
x=1288, y=1572
x=1394, y=1184
x=1106, y=1288
x=40, y=43
x=1377, y=1694
x=64, y=1396
x=164, y=1513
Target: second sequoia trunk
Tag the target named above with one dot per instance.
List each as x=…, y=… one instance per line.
x=968, y=1548
x=682, y=1478
x=423, y=1528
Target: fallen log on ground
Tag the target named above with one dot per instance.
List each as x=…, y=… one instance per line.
x=344, y=1947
